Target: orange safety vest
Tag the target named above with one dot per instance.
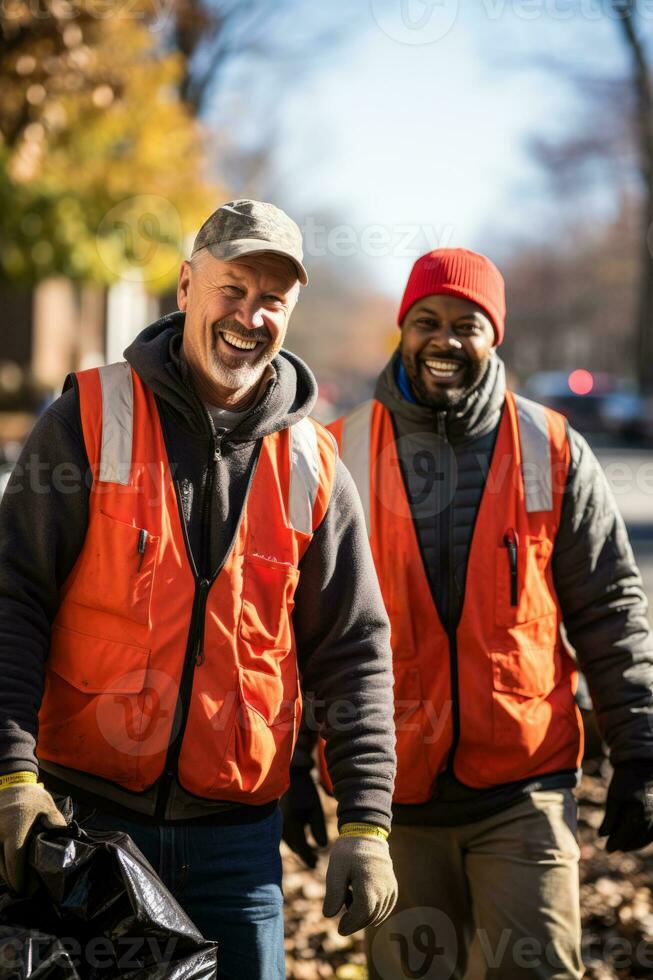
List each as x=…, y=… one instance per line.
x=493, y=697
x=151, y=670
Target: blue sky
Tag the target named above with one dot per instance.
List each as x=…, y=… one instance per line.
x=413, y=134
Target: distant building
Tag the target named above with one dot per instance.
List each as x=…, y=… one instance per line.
x=60, y=327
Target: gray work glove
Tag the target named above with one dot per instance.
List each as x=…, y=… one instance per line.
x=22, y=808
x=360, y=876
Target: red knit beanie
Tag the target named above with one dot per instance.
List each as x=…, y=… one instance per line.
x=458, y=272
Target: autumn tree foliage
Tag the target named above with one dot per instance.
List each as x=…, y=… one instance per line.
x=100, y=156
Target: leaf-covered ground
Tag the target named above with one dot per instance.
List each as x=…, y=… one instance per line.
x=616, y=901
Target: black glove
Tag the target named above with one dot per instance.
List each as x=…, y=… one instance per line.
x=301, y=806
x=628, y=820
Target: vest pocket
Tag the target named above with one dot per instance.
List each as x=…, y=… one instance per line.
x=95, y=716
x=525, y=661
x=523, y=676
x=115, y=571
x=95, y=665
x=268, y=696
x=268, y=599
x=522, y=590
x=253, y=764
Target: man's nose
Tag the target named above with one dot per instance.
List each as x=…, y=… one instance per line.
x=446, y=338
x=250, y=316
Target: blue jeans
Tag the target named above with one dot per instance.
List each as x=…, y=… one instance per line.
x=226, y=878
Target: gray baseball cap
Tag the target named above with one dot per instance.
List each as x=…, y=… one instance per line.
x=247, y=227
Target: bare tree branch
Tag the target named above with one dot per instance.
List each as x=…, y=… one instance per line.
x=641, y=81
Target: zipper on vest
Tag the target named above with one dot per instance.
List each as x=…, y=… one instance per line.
x=195, y=646
x=195, y=639
x=511, y=543
x=203, y=586
x=203, y=582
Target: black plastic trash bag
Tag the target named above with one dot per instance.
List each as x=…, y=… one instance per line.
x=25, y=953
x=99, y=912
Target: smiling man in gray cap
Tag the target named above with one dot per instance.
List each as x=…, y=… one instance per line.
x=244, y=246
x=155, y=617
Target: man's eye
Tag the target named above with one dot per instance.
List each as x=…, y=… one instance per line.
x=468, y=327
x=273, y=299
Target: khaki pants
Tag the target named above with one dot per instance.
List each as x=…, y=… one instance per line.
x=494, y=899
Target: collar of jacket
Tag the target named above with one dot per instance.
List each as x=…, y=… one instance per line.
x=478, y=415
x=155, y=356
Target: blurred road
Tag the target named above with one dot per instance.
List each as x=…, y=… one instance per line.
x=630, y=474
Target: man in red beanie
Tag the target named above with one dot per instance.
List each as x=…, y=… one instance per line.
x=469, y=289
x=491, y=526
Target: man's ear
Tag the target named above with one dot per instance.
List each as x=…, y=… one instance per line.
x=183, y=285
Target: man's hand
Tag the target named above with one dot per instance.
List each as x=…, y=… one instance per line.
x=301, y=806
x=360, y=876
x=628, y=818
x=22, y=807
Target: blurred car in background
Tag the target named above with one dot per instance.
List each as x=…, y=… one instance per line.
x=596, y=403
x=629, y=416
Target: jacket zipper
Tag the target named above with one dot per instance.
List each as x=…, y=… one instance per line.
x=194, y=655
x=446, y=528
x=511, y=542
x=206, y=523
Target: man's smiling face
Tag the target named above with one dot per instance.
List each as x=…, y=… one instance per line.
x=237, y=315
x=446, y=342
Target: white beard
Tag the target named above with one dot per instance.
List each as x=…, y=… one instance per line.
x=246, y=376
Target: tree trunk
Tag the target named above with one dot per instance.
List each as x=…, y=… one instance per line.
x=644, y=120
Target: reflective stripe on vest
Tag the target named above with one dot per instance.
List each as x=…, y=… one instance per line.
x=535, y=455
x=304, y=475
x=117, y=422
x=533, y=438
x=356, y=453
x=118, y=437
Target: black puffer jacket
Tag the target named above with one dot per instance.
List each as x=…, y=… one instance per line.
x=596, y=578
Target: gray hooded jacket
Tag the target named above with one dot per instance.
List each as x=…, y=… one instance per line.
x=340, y=624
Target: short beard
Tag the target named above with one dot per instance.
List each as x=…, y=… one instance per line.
x=446, y=398
x=243, y=377
x=247, y=375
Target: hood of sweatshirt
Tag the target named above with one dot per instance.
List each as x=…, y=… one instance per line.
x=155, y=356
x=475, y=417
